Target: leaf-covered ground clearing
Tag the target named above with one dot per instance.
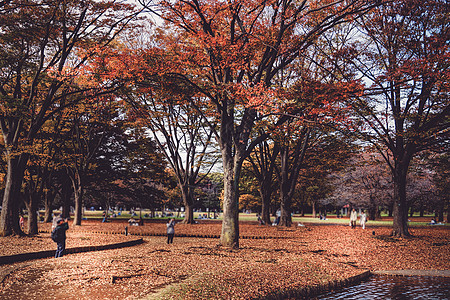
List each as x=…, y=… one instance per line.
x=197, y=268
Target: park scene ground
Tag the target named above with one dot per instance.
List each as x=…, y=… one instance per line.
x=271, y=263
x=276, y=107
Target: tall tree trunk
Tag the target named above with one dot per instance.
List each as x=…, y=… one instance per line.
x=32, y=205
x=400, y=208
x=188, y=201
x=290, y=168
x=231, y=170
x=78, y=195
x=188, y=214
x=263, y=161
x=9, y=218
x=373, y=209
x=448, y=212
x=48, y=202
x=285, y=201
x=265, y=203
x=285, y=206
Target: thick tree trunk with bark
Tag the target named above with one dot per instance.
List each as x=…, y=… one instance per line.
x=32, y=206
x=400, y=207
x=373, y=209
x=286, y=217
x=230, y=225
x=232, y=162
x=188, y=201
x=9, y=218
x=189, y=214
x=263, y=161
x=314, y=211
x=233, y=146
x=290, y=169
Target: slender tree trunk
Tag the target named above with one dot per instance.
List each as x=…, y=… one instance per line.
x=448, y=212
x=285, y=201
x=314, y=212
x=48, y=202
x=78, y=195
x=265, y=204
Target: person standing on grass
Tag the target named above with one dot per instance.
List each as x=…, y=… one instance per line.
x=363, y=219
x=56, y=218
x=59, y=236
x=353, y=218
x=170, y=231
x=22, y=222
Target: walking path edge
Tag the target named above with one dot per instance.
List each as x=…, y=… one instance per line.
x=9, y=259
x=433, y=273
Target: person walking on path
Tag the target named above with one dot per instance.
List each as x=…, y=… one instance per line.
x=353, y=218
x=363, y=219
x=59, y=236
x=170, y=231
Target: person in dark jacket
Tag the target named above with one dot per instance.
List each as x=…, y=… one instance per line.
x=60, y=232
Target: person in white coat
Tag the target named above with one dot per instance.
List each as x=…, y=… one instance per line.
x=363, y=219
x=353, y=218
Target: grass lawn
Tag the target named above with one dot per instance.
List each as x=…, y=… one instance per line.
x=385, y=220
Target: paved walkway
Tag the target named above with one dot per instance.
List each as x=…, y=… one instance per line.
x=437, y=273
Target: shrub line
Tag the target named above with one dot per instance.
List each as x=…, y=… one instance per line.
x=9, y=259
x=213, y=236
